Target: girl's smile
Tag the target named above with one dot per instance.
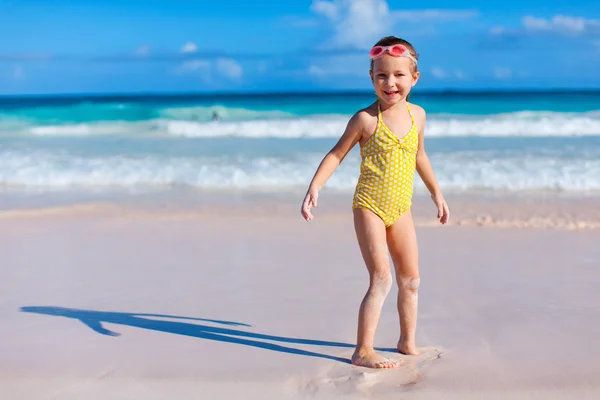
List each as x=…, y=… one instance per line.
x=391, y=93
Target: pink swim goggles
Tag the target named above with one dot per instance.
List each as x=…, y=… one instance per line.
x=396, y=50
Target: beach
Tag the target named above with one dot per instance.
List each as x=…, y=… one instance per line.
x=235, y=296
x=157, y=163
x=149, y=252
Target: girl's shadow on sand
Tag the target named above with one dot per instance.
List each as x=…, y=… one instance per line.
x=94, y=320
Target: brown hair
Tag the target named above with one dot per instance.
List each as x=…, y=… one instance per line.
x=391, y=40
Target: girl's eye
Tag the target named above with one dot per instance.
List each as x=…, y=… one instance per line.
x=381, y=75
x=399, y=74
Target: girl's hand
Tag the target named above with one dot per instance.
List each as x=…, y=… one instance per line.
x=309, y=201
x=443, y=212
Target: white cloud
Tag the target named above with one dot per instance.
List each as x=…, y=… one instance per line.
x=327, y=8
x=438, y=73
x=559, y=25
x=359, y=23
x=502, y=73
x=563, y=24
x=317, y=71
x=189, y=47
x=349, y=65
x=323, y=71
x=435, y=15
x=222, y=66
x=229, y=68
x=18, y=72
x=459, y=74
x=143, y=50
x=194, y=65
x=533, y=23
x=18, y=57
x=355, y=23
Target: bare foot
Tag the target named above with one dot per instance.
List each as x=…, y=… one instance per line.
x=409, y=350
x=370, y=359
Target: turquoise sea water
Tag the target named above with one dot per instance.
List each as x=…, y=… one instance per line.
x=476, y=141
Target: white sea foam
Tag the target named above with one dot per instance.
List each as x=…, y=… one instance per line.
x=467, y=171
x=519, y=124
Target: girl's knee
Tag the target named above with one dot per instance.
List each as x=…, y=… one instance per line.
x=381, y=281
x=410, y=283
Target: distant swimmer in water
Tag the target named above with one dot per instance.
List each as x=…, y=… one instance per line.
x=215, y=116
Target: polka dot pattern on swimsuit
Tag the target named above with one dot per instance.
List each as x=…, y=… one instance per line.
x=387, y=171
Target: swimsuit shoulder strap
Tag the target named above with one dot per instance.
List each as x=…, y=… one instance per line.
x=410, y=113
x=379, y=118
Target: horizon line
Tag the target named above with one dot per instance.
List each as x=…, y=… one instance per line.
x=76, y=95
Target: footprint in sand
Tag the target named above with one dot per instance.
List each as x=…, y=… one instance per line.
x=348, y=379
x=427, y=354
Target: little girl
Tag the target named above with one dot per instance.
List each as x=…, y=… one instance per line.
x=391, y=134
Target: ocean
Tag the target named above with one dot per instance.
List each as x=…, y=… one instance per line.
x=485, y=142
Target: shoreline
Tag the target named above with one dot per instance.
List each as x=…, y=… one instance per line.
x=121, y=96
x=469, y=209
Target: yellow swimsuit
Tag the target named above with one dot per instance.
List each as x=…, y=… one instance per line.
x=387, y=170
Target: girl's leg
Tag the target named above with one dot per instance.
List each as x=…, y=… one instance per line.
x=402, y=242
x=370, y=232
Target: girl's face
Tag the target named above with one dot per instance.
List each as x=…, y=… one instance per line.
x=393, y=78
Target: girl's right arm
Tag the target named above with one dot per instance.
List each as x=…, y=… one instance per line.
x=352, y=135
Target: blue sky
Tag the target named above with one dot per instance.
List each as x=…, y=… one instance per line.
x=79, y=46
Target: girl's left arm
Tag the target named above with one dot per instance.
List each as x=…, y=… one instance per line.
x=426, y=173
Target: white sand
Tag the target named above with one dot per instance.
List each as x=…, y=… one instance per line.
x=514, y=311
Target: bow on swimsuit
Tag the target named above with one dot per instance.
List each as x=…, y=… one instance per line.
x=387, y=170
